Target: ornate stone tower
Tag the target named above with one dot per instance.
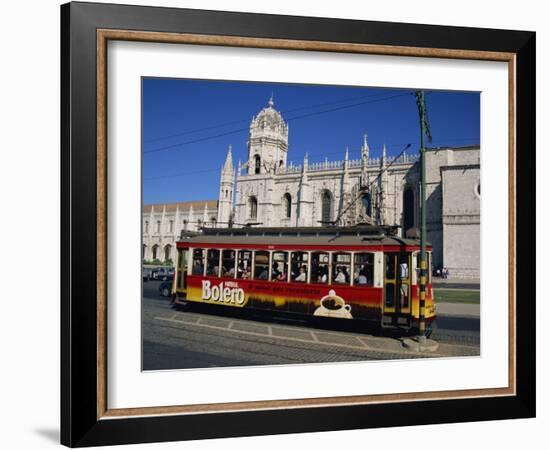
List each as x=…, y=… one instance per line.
x=227, y=186
x=267, y=142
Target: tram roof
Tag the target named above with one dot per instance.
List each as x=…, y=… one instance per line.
x=337, y=236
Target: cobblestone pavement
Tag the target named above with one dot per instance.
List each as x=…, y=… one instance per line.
x=192, y=339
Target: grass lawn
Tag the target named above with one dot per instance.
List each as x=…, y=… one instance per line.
x=456, y=296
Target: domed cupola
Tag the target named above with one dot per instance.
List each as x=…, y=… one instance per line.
x=268, y=141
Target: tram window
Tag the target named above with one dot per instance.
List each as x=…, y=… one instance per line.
x=244, y=264
x=198, y=261
x=213, y=263
x=279, y=267
x=228, y=263
x=261, y=265
x=390, y=267
x=363, y=268
x=299, y=267
x=319, y=267
x=341, y=267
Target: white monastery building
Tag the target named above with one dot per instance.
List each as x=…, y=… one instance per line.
x=268, y=190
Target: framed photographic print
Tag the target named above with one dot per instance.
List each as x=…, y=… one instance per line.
x=275, y=224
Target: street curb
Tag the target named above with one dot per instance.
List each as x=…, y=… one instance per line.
x=459, y=316
x=428, y=346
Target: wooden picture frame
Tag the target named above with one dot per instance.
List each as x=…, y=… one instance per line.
x=86, y=418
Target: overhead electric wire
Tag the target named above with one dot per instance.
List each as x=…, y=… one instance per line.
x=339, y=108
x=212, y=127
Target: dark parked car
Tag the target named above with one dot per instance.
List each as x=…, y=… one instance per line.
x=165, y=288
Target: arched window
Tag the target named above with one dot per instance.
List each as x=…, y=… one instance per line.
x=287, y=204
x=171, y=226
x=253, y=207
x=157, y=230
x=144, y=249
x=154, y=249
x=213, y=222
x=185, y=224
x=167, y=252
x=147, y=226
x=326, y=207
x=408, y=209
x=257, y=164
x=367, y=204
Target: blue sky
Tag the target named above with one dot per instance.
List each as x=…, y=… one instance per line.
x=189, y=124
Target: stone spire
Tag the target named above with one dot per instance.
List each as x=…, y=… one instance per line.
x=365, y=150
x=305, y=166
x=346, y=159
x=365, y=155
x=227, y=187
x=345, y=190
x=228, y=166
x=270, y=102
x=305, y=198
x=382, y=185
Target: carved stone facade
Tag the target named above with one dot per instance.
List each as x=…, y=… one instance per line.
x=162, y=225
x=269, y=191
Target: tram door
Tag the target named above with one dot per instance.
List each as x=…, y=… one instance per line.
x=397, y=283
x=181, y=275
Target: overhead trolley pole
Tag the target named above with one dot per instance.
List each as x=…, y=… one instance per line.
x=424, y=131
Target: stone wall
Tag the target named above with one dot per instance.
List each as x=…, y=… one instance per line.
x=461, y=219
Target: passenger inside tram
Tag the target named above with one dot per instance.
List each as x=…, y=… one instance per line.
x=342, y=275
x=361, y=276
x=323, y=274
x=275, y=272
x=302, y=277
x=197, y=268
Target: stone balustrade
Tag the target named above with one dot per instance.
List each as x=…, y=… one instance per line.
x=338, y=165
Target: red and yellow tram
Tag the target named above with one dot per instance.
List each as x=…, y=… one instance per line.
x=363, y=272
